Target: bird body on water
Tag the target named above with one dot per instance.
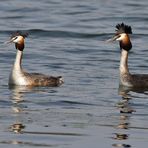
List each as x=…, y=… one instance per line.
x=20, y=77
x=126, y=78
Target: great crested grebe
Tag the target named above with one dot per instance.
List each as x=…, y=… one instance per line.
x=19, y=77
x=126, y=78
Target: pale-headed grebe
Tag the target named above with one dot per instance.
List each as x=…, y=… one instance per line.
x=20, y=77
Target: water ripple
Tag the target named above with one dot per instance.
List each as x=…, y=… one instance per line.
x=57, y=33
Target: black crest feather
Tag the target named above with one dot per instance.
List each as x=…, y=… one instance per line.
x=17, y=33
x=122, y=28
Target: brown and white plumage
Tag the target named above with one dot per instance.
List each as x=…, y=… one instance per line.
x=126, y=78
x=19, y=77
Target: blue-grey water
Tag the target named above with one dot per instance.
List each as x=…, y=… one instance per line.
x=68, y=38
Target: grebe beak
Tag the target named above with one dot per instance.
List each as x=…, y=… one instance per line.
x=7, y=42
x=10, y=41
x=114, y=38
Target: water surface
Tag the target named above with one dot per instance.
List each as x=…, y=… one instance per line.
x=68, y=38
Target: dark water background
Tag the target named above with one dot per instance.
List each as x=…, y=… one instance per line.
x=67, y=38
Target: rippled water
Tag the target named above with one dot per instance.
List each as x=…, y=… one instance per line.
x=68, y=38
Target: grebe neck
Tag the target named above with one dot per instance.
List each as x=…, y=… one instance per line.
x=18, y=60
x=124, y=62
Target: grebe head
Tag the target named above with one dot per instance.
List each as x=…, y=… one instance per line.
x=19, y=39
x=122, y=35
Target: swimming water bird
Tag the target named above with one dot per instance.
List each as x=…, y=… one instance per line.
x=126, y=78
x=20, y=77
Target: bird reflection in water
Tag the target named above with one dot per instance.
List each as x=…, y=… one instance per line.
x=125, y=112
x=124, y=105
x=120, y=136
x=18, y=93
x=123, y=125
x=121, y=145
x=123, y=122
x=17, y=127
x=17, y=98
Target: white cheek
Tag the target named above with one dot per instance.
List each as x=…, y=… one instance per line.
x=122, y=36
x=17, y=39
x=119, y=39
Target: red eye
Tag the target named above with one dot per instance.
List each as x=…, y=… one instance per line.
x=119, y=36
x=15, y=38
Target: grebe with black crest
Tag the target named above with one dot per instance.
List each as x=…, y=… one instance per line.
x=126, y=78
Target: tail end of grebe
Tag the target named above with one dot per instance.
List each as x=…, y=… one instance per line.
x=61, y=80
